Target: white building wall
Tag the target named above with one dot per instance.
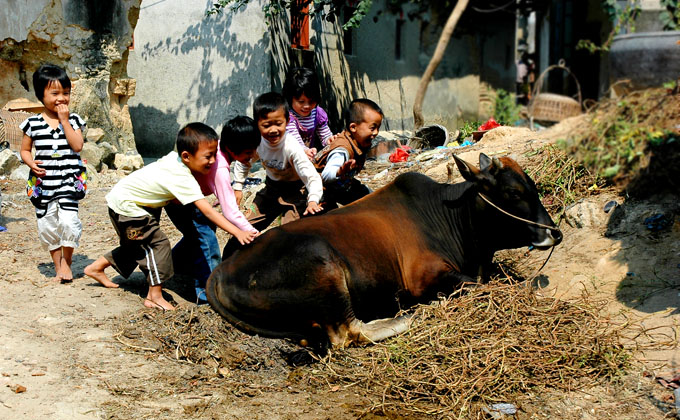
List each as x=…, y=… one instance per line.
x=190, y=67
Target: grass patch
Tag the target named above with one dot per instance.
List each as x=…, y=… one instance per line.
x=561, y=180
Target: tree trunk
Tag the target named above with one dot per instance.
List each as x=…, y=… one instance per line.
x=435, y=60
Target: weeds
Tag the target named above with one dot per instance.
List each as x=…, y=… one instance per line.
x=468, y=127
x=625, y=134
x=506, y=110
x=560, y=179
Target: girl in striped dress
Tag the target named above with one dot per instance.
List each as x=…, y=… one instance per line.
x=57, y=178
x=308, y=122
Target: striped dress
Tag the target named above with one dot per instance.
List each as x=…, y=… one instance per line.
x=64, y=169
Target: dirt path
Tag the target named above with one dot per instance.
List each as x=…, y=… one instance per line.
x=62, y=342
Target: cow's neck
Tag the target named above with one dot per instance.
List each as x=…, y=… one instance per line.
x=455, y=230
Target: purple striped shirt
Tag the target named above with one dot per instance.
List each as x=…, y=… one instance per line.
x=308, y=125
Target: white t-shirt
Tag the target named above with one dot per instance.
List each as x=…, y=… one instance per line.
x=286, y=161
x=154, y=185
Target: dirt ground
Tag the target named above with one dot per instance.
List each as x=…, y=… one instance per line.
x=74, y=347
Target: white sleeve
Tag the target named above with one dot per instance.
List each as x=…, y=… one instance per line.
x=307, y=173
x=240, y=174
x=335, y=160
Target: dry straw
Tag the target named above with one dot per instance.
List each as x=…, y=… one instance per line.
x=494, y=343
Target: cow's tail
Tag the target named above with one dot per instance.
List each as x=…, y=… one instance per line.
x=316, y=339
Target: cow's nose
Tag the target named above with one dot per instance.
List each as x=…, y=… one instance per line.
x=549, y=238
x=557, y=235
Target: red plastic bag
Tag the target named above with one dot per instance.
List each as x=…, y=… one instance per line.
x=489, y=124
x=400, y=154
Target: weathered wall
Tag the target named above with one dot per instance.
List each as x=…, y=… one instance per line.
x=190, y=67
x=87, y=37
x=476, y=61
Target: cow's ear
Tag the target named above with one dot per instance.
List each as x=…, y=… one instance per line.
x=484, y=161
x=490, y=165
x=472, y=174
x=469, y=172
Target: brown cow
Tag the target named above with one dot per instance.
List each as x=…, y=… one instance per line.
x=341, y=277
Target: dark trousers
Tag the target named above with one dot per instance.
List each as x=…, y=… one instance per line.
x=143, y=244
x=346, y=193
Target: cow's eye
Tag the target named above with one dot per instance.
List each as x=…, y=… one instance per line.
x=513, y=195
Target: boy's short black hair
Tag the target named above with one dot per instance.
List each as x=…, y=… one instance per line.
x=239, y=134
x=46, y=74
x=267, y=103
x=192, y=134
x=356, y=109
x=301, y=80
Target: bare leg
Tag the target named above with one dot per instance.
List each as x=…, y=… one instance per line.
x=66, y=260
x=154, y=299
x=96, y=271
x=56, y=259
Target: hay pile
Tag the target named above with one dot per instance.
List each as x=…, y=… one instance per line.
x=495, y=343
x=198, y=335
x=488, y=344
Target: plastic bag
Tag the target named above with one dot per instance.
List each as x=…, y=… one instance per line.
x=400, y=155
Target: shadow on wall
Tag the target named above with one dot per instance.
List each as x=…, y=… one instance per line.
x=212, y=96
x=334, y=96
x=163, y=140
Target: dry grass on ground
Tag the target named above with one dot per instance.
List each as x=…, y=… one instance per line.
x=488, y=344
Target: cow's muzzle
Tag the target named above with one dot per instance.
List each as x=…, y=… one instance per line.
x=549, y=237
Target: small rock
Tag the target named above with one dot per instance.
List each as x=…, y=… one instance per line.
x=381, y=174
x=9, y=161
x=128, y=162
x=17, y=388
x=20, y=173
x=92, y=154
x=585, y=214
x=94, y=134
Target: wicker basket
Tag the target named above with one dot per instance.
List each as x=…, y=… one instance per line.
x=9, y=127
x=551, y=106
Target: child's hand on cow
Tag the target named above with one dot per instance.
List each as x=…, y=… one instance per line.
x=245, y=236
x=238, y=195
x=312, y=208
x=346, y=168
x=311, y=152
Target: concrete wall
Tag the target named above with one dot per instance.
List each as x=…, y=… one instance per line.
x=477, y=60
x=23, y=12
x=190, y=67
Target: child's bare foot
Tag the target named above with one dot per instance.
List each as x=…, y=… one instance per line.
x=65, y=273
x=95, y=271
x=159, y=303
